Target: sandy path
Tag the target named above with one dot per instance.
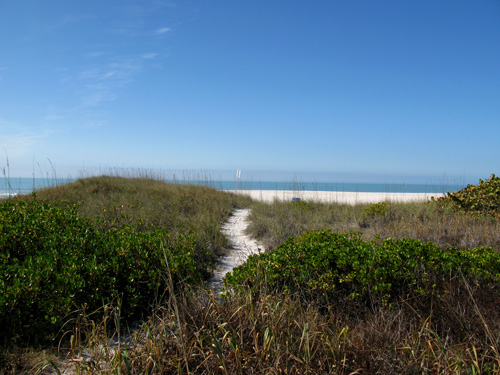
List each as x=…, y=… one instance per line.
x=242, y=246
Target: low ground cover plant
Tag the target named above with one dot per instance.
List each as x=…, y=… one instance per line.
x=339, y=267
x=394, y=306
x=54, y=262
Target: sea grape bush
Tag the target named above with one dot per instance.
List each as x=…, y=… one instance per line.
x=477, y=200
x=373, y=213
x=322, y=264
x=52, y=262
x=375, y=209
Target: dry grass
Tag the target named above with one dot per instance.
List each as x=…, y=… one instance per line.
x=273, y=223
x=276, y=334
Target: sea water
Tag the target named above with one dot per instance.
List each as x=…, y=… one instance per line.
x=20, y=185
x=15, y=186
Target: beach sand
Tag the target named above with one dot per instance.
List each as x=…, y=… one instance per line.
x=335, y=196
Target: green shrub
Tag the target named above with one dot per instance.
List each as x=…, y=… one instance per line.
x=52, y=261
x=477, y=200
x=339, y=267
x=375, y=209
x=376, y=213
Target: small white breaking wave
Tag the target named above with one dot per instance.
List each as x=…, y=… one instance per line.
x=7, y=195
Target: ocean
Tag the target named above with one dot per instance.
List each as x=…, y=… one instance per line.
x=20, y=185
x=14, y=186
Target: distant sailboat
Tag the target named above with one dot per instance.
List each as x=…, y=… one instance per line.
x=238, y=177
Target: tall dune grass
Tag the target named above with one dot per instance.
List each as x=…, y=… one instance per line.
x=146, y=201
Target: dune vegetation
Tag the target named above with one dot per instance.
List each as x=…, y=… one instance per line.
x=105, y=276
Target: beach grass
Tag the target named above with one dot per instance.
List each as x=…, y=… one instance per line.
x=262, y=330
x=429, y=221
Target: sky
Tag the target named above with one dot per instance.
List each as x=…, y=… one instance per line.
x=320, y=91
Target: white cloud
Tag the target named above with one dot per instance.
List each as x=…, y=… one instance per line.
x=89, y=74
x=18, y=144
x=53, y=117
x=97, y=96
x=150, y=56
x=96, y=54
x=162, y=30
x=109, y=74
x=16, y=141
x=102, y=83
x=126, y=68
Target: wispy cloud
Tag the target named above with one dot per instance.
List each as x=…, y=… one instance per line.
x=118, y=58
x=96, y=54
x=64, y=21
x=19, y=144
x=89, y=74
x=162, y=30
x=18, y=141
x=150, y=56
x=102, y=83
x=53, y=117
x=109, y=74
x=94, y=99
x=86, y=114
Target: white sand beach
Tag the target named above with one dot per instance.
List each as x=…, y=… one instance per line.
x=335, y=196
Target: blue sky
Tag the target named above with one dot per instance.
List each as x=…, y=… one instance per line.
x=323, y=90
